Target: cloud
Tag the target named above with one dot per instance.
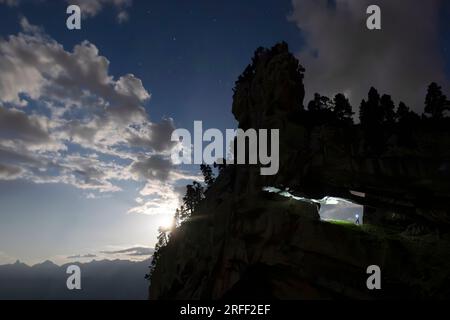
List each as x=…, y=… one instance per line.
x=135, y=251
x=16, y=124
x=342, y=55
x=84, y=256
x=162, y=194
x=156, y=136
x=91, y=8
x=155, y=167
x=64, y=118
x=9, y=172
x=158, y=198
x=35, y=66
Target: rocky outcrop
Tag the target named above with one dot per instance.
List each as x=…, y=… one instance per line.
x=242, y=242
x=333, y=159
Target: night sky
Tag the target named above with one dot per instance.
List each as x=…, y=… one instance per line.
x=85, y=115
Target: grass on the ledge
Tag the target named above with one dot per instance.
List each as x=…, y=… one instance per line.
x=366, y=228
x=344, y=223
x=341, y=222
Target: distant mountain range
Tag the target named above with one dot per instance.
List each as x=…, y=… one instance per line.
x=100, y=280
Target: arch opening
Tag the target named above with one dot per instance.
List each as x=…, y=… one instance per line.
x=331, y=208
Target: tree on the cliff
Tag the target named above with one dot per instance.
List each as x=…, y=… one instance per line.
x=387, y=112
x=319, y=103
x=208, y=175
x=342, y=109
x=194, y=194
x=321, y=109
x=163, y=240
x=406, y=120
x=181, y=214
x=370, y=114
x=405, y=115
x=373, y=117
x=220, y=166
x=435, y=102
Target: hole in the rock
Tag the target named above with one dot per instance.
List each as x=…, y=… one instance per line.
x=331, y=208
x=341, y=210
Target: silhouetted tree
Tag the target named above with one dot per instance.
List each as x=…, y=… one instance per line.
x=405, y=115
x=319, y=103
x=320, y=109
x=220, y=166
x=370, y=114
x=194, y=194
x=406, y=119
x=372, y=117
x=402, y=111
x=181, y=214
x=163, y=240
x=208, y=175
x=342, y=108
x=435, y=102
x=387, y=111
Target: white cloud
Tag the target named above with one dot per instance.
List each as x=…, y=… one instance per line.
x=9, y=172
x=82, y=256
x=91, y=8
x=66, y=119
x=342, y=55
x=134, y=251
x=161, y=195
x=157, y=198
x=16, y=124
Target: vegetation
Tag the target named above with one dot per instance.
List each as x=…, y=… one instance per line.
x=436, y=103
x=379, y=116
x=195, y=193
x=220, y=166
x=207, y=174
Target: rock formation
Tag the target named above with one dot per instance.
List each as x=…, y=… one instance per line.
x=242, y=242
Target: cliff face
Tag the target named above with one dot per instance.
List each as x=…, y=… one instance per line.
x=242, y=242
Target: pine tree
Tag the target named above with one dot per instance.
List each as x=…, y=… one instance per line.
x=319, y=103
x=387, y=111
x=342, y=108
x=163, y=240
x=405, y=116
x=435, y=102
x=194, y=194
x=370, y=114
x=208, y=175
x=181, y=214
x=402, y=112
